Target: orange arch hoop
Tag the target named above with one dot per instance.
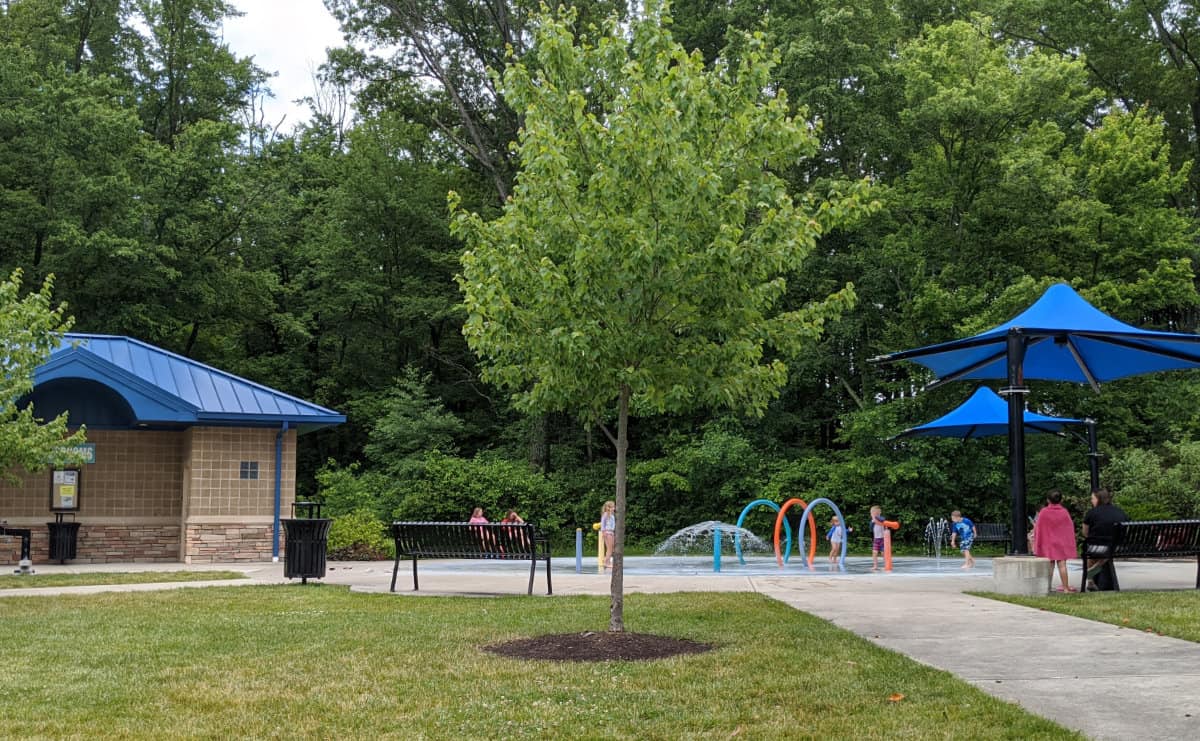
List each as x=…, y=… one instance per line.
x=812, y=530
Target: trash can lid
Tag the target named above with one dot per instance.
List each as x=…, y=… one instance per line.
x=311, y=510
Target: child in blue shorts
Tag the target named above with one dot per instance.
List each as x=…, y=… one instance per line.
x=963, y=530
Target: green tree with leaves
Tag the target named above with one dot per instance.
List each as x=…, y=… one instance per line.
x=30, y=328
x=638, y=265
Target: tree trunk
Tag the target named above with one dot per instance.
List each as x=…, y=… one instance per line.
x=191, y=340
x=539, y=444
x=616, y=620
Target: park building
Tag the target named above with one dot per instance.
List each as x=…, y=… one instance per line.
x=183, y=462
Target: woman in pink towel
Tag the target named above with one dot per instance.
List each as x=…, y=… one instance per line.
x=1054, y=536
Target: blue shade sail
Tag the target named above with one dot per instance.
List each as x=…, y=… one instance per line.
x=982, y=415
x=1067, y=339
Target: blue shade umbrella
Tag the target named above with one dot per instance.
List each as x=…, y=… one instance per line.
x=1064, y=338
x=983, y=415
x=1060, y=337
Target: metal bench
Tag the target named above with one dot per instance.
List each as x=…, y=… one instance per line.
x=993, y=532
x=1148, y=539
x=24, y=533
x=493, y=540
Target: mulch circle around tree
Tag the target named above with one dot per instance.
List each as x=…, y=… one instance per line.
x=598, y=646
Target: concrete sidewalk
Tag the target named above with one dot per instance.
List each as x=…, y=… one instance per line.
x=1105, y=681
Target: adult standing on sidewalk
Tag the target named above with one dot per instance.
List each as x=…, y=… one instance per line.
x=1054, y=536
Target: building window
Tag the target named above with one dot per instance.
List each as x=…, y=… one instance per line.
x=249, y=470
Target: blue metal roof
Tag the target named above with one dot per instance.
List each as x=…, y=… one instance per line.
x=164, y=388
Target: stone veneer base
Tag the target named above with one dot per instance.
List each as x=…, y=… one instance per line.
x=233, y=542
x=103, y=544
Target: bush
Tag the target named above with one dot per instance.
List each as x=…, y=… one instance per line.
x=710, y=477
x=1147, y=488
x=445, y=488
x=359, y=536
x=346, y=490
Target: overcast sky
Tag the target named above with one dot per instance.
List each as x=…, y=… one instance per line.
x=288, y=38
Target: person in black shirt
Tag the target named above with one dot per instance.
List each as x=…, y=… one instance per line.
x=1101, y=521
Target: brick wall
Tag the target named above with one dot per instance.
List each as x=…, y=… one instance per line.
x=136, y=474
x=215, y=487
x=148, y=487
x=227, y=517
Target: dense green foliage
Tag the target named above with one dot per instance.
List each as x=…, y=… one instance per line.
x=1012, y=143
x=31, y=326
x=359, y=536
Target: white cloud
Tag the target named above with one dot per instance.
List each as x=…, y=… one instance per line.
x=288, y=38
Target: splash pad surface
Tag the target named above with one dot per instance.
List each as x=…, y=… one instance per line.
x=756, y=565
x=766, y=566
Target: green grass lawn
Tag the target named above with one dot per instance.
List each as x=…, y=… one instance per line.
x=320, y=661
x=13, y=581
x=1169, y=613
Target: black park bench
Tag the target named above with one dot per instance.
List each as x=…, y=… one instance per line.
x=24, y=533
x=493, y=540
x=1148, y=539
x=992, y=532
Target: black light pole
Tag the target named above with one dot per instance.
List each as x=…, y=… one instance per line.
x=1093, y=453
x=1015, y=393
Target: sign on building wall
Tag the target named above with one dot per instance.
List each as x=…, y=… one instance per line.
x=64, y=490
x=84, y=453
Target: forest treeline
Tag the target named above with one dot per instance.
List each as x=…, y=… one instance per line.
x=1011, y=143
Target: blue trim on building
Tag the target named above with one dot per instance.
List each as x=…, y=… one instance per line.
x=278, y=490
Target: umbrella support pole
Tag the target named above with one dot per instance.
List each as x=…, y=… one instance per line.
x=1015, y=393
x=1093, y=453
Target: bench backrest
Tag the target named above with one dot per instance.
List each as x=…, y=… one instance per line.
x=991, y=531
x=1157, y=537
x=465, y=540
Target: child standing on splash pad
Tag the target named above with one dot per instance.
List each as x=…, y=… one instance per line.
x=964, y=531
x=878, y=531
x=835, y=536
x=608, y=530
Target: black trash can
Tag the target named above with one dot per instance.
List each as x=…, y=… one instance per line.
x=304, y=542
x=63, y=539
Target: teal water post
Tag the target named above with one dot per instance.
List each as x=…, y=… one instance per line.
x=578, y=550
x=717, y=550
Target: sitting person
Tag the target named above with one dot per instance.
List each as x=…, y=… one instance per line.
x=485, y=535
x=1100, y=522
x=516, y=536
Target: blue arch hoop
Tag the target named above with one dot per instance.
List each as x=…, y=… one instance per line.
x=737, y=536
x=841, y=519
